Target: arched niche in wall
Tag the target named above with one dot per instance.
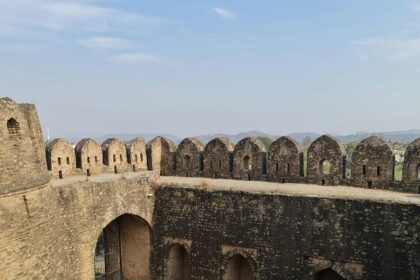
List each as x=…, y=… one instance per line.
x=238, y=268
x=13, y=127
x=178, y=265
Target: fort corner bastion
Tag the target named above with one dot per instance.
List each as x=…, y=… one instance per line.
x=158, y=210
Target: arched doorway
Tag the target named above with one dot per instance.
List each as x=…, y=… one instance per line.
x=123, y=250
x=326, y=274
x=238, y=268
x=178, y=264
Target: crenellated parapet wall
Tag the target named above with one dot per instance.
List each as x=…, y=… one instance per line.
x=61, y=158
x=326, y=161
x=284, y=162
x=25, y=162
x=188, y=158
x=136, y=154
x=218, y=158
x=161, y=156
x=411, y=167
x=373, y=162
x=249, y=159
x=89, y=158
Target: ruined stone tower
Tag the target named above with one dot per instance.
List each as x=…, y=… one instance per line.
x=22, y=153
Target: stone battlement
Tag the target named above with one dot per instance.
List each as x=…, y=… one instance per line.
x=24, y=163
x=373, y=161
x=107, y=214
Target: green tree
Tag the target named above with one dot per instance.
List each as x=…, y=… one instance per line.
x=350, y=146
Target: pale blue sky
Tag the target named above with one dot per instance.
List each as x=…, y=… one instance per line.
x=190, y=67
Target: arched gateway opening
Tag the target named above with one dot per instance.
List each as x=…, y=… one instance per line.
x=326, y=274
x=178, y=264
x=123, y=250
x=238, y=268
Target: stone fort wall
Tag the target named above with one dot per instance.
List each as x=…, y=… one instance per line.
x=24, y=160
x=22, y=152
x=286, y=237
x=373, y=161
x=51, y=232
x=49, y=229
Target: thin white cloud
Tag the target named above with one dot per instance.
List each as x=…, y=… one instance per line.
x=393, y=48
x=105, y=43
x=137, y=57
x=29, y=15
x=77, y=10
x=66, y=15
x=223, y=13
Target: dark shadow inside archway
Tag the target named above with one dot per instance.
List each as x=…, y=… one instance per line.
x=238, y=268
x=178, y=264
x=123, y=250
x=326, y=274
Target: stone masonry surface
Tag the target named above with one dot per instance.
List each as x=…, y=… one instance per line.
x=363, y=226
x=288, y=231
